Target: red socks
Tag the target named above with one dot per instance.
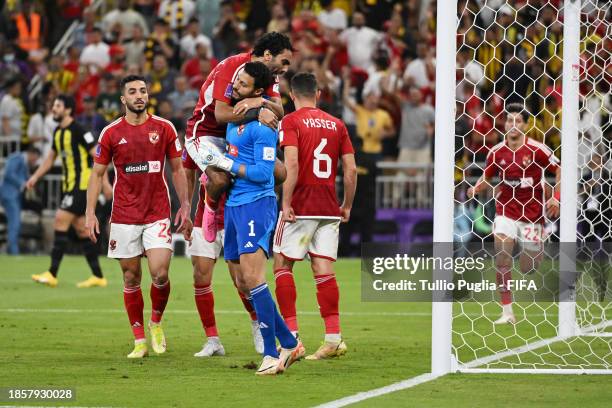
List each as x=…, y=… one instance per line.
x=205, y=302
x=503, y=275
x=134, y=305
x=159, y=299
x=286, y=296
x=248, y=306
x=328, y=297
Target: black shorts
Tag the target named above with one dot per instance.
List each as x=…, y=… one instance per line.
x=74, y=201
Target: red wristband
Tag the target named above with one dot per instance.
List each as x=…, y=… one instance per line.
x=557, y=196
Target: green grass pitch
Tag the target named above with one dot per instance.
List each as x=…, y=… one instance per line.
x=78, y=338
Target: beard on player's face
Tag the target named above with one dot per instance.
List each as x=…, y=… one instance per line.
x=134, y=109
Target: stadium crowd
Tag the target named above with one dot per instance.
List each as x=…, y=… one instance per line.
x=374, y=61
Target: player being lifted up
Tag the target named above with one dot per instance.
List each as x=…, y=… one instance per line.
x=214, y=110
x=138, y=145
x=520, y=163
x=250, y=215
x=313, y=143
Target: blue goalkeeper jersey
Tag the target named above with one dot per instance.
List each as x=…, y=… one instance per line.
x=253, y=145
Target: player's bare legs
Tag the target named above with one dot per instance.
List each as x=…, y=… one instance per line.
x=159, y=263
x=504, y=246
x=286, y=294
x=134, y=304
x=328, y=298
x=234, y=270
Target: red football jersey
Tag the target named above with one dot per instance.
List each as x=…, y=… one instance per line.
x=218, y=87
x=520, y=194
x=188, y=163
x=140, y=191
x=321, y=139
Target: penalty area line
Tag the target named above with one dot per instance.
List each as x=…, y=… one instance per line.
x=377, y=392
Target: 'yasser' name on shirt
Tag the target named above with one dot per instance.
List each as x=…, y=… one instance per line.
x=319, y=123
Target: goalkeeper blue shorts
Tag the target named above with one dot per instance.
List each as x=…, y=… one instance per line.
x=249, y=227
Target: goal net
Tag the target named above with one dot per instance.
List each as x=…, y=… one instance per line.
x=552, y=57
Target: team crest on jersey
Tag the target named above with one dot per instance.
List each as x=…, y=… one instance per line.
x=526, y=161
x=240, y=129
x=112, y=244
x=153, y=137
x=232, y=150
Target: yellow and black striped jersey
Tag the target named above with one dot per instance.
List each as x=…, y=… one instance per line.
x=72, y=144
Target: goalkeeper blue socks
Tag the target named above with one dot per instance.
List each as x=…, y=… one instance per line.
x=264, y=306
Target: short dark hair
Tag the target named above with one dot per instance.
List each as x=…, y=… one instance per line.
x=33, y=149
x=262, y=77
x=274, y=42
x=130, y=78
x=518, y=108
x=304, y=84
x=68, y=101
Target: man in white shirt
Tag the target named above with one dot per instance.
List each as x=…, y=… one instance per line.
x=361, y=41
x=332, y=17
x=11, y=110
x=420, y=70
x=126, y=17
x=194, y=37
x=95, y=55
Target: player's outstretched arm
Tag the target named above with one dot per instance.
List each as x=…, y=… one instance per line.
x=42, y=169
x=293, y=167
x=183, y=216
x=93, y=191
x=349, y=168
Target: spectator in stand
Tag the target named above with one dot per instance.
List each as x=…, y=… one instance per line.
x=258, y=18
x=159, y=42
x=160, y=80
x=84, y=28
x=416, y=134
x=16, y=173
x=134, y=48
x=376, y=12
x=12, y=110
x=208, y=12
x=192, y=38
x=361, y=42
x=108, y=103
x=90, y=119
x=147, y=9
x=228, y=32
x=60, y=77
x=126, y=18
x=176, y=13
x=117, y=65
x=331, y=17
x=279, y=21
x=191, y=68
x=373, y=124
x=95, y=55
x=421, y=71
x=36, y=133
x=182, y=96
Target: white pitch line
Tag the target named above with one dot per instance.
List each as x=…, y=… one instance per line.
x=231, y=312
x=194, y=311
x=377, y=392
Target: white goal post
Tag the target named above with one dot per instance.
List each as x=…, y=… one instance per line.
x=576, y=339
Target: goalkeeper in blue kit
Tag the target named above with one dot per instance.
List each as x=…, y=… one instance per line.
x=250, y=216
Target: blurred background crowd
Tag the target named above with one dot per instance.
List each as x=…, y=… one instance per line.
x=374, y=60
